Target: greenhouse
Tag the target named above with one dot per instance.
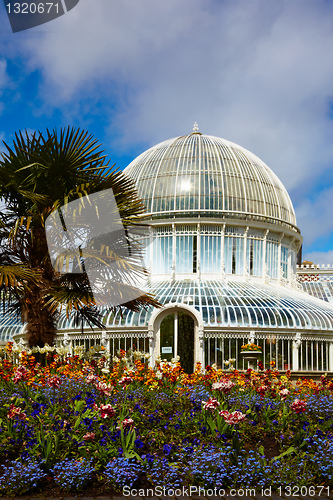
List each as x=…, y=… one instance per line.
x=221, y=256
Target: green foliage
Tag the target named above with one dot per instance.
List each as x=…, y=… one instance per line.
x=38, y=174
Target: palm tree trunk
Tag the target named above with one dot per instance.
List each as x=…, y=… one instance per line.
x=41, y=323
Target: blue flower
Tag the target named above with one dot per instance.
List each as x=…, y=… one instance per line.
x=122, y=472
x=139, y=444
x=20, y=477
x=167, y=449
x=73, y=475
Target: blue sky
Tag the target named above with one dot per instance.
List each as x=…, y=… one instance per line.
x=137, y=72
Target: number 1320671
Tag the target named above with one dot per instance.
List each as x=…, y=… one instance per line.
x=304, y=491
x=32, y=8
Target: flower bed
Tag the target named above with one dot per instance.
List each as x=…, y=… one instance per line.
x=70, y=426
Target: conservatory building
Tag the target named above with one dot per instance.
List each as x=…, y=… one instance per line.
x=221, y=256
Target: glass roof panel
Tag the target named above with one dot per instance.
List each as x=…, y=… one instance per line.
x=234, y=304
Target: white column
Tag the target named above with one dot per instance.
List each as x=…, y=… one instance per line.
x=198, y=251
x=222, y=253
x=151, y=252
x=175, y=336
x=105, y=341
x=67, y=342
x=331, y=357
x=245, y=252
x=291, y=271
x=289, y=265
x=151, y=348
x=263, y=272
x=296, y=346
x=173, y=252
x=279, y=257
x=201, y=346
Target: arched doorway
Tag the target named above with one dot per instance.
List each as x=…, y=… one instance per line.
x=177, y=338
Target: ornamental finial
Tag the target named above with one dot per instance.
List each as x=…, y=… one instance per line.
x=195, y=127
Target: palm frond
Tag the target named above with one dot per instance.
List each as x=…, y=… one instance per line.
x=39, y=173
x=14, y=276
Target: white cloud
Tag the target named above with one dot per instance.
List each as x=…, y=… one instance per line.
x=255, y=72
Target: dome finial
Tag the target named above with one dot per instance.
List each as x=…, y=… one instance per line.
x=195, y=127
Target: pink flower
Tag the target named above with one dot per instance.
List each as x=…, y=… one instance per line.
x=54, y=381
x=224, y=413
x=232, y=418
x=125, y=381
x=128, y=422
x=298, y=405
x=91, y=379
x=106, y=411
x=21, y=374
x=90, y=436
x=224, y=386
x=262, y=389
x=16, y=412
x=284, y=393
x=211, y=404
x=104, y=388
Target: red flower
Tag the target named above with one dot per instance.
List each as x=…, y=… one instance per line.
x=125, y=381
x=262, y=389
x=211, y=404
x=21, y=374
x=16, y=412
x=91, y=378
x=90, y=436
x=128, y=422
x=225, y=386
x=298, y=405
x=106, y=411
x=54, y=381
x=104, y=388
x=284, y=393
x=232, y=418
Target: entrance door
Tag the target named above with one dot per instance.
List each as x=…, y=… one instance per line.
x=177, y=338
x=167, y=338
x=186, y=341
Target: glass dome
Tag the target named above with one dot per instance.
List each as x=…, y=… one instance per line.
x=203, y=175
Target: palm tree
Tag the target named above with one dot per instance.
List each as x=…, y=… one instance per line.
x=39, y=174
